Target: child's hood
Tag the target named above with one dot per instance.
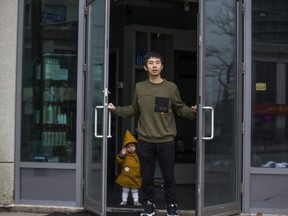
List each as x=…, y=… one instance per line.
x=128, y=138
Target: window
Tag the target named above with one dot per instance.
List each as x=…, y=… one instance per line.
x=49, y=81
x=269, y=146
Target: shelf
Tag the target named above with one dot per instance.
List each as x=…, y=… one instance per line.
x=54, y=95
x=138, y=67
x=53, y=126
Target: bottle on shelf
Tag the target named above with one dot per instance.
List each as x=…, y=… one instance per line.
x=139, y=58
x=44, y=112
x=50, y=114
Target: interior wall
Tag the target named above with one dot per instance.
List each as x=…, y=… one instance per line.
x=171, y=16
x=174, y=21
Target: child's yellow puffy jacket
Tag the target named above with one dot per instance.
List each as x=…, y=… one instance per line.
x=130, y=173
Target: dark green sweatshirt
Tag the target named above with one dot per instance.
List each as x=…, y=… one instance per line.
x=155, y=104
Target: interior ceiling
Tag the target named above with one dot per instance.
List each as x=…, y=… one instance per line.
x=174, y=1
x=164, y=4
x=167, y=1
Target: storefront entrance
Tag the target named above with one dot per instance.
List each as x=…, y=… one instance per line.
x=202, y=58
x=79, y=56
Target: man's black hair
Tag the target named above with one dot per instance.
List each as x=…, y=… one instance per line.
x=152, y=54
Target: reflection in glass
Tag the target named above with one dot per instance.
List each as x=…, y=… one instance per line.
x=269, y=118
x=221, y=94
x=94, y=99
x=49, y=81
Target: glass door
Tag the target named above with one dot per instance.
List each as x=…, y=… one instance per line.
x=219, y=109
x=96, y=124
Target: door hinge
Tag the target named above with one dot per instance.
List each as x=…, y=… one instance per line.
x=243, y=8
x=243, y=67
x=86, y=11
x=242, y=188
x=243, y=128
x=82, y=184
x=83, y=125
x=198, y=190
x=200, y=40
x=84, y=68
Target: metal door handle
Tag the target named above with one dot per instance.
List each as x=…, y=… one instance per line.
x=212, y=123
x=96, y=126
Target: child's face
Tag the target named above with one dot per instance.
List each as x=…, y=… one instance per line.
x=131, y=148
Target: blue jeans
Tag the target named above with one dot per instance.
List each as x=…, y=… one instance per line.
x=148, y=153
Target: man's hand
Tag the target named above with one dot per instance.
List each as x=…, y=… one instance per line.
x=111, y=107
x=194, y=108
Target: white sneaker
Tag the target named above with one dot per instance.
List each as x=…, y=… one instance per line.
x=123, y=203
x=137, y=204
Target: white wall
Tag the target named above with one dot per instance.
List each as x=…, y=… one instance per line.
x=8, y=35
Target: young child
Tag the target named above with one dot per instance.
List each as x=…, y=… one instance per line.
x=129, y=178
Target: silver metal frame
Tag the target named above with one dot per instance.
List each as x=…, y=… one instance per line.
x=235, y=207
x=78, y=166
x=18, y=99
x=200, y=99
x=106, y=125
x=105, y=110
x=80, y=101
x=247, y=107
x=249, y=171
x=80, y=104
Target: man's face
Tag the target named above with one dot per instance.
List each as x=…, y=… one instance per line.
x=154, y=66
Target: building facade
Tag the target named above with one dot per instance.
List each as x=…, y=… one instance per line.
x=63, y=61
x=8, y=75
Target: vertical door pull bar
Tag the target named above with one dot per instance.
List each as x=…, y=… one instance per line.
x=96, y=125
x=212, y=122
x=109, y=125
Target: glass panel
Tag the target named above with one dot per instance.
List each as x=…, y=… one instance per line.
x=269, y=118
x=221, y=94
x=94, y=98
x=49, y=81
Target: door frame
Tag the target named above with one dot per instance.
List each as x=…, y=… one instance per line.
x=234, y=207
x=91, y=204
x=201, y=23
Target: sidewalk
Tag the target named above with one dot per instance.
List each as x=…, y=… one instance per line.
x=66, y=212
x=42, y=211
x=32, y=211
x=108, y=214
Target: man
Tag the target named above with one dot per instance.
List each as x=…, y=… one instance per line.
x=155, y=102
